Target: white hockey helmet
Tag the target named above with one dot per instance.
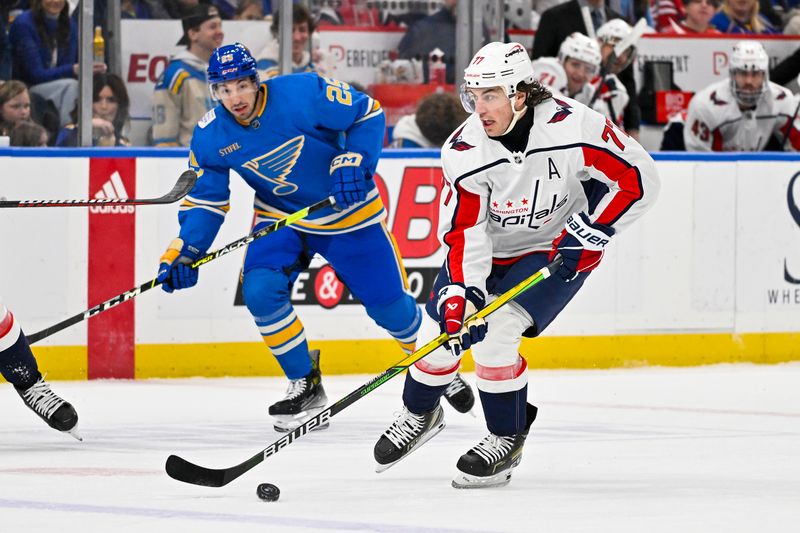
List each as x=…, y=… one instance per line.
x=613, y=31
x=581, y=47
x=748, y=56
x=610, y=34
x=499, y=65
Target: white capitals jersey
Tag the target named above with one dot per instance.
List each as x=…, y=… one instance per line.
x=499, y=204
x=610, y=102
x=714, y=121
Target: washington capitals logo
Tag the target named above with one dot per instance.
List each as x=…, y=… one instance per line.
x=457, y=144
x=562, y=113
x=276, y=165
x=716, y=100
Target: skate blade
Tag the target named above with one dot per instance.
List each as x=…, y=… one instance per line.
x=288, y=428
x=286, y=423
x=467, y=481
x=432, y=433
x=74, y=433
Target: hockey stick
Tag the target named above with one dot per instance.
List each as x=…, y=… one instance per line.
x=136, y=291
x=619, y=49
x=182, y=470
x=182, y=187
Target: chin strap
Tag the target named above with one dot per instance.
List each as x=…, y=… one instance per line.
x=517, y=116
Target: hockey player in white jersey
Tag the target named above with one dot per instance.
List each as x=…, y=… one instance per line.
x=18, y=366
x=526, y=177
x=745, y=111
x=579, y=61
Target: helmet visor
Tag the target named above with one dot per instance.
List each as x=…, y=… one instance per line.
x=229, y=89
x=488, y=99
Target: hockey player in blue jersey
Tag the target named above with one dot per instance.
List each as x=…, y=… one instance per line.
x=295, y=140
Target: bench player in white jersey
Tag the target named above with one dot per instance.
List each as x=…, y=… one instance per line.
x=743, y=112
x=579, y=62
x=18, y=366
x=527, y=176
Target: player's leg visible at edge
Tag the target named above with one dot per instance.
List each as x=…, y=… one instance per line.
x=18, y=366
x=422, y=417
x=266, y=293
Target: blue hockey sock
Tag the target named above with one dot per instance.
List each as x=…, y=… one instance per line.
x=18, y=365
x=295, y=363
x=505, y=412
x=420, y=398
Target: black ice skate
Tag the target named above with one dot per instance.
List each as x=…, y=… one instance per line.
x=491, y=461
x=459, y=395
x=305, y=398
x=407, y=433
x=51, y=408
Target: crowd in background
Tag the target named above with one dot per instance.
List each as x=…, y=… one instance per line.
x=39, y=68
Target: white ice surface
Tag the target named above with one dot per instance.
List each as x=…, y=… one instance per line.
x=711, y=449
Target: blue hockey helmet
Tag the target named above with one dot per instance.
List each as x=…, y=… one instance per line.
x=231, y=62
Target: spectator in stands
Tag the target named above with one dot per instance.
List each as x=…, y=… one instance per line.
x=742, y=16
x=697, y=20
x=15, y=105
x=141, y=9
x=177, y=9
x=18, y=104
x=28, y=133
x=560, y=21
x=5, y=56
x=437, y=116
x=302, y=61
x=745, y=112
x=249, y=10
x=427, y=34
x=110, y=114
x=45, y=52
x=667, y=13
x=181, y=95
x=564, y=19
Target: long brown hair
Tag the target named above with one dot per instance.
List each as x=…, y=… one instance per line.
x=535, y=93
x=106, y=79
x=62, y=28
x=755, y=22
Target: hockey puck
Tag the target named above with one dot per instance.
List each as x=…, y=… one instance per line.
x=268, y=492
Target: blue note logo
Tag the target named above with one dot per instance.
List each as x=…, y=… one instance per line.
x=275, y=166
x=794, y=210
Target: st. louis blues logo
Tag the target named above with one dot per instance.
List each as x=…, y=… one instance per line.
x=457, y=144
x=276, y=165
x=562, y=113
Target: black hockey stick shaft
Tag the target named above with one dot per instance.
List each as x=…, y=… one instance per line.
x=136, y=291
x=182, y=470
x=182, y=187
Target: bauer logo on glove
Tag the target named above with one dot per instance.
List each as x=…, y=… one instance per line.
x=581, y=245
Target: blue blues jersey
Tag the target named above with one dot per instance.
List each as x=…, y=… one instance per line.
x=284, y=153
